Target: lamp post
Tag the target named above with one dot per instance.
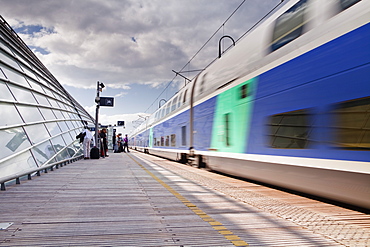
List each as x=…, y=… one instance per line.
x=99, y=88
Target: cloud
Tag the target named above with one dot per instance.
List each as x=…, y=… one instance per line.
x=124, y=43
x=121, y=42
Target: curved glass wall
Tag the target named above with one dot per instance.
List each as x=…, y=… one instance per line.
x=39, y=119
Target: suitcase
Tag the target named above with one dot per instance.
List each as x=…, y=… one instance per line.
x=94, y=153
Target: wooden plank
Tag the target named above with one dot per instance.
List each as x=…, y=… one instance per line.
x=124, y=201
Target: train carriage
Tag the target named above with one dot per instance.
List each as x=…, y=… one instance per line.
x=289, y=105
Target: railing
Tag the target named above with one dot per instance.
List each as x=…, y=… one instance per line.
x=28, y=173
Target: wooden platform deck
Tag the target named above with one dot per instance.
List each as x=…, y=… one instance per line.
x=123, y=200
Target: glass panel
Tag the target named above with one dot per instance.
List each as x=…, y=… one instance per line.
x=2, y=75
x=78, y=148
x=53, y=128
x=174, y=104
x=9, y=61
x=43, y=152
x=244, y=91
x=347, y=3
x=29, y=73
x=71, y=124
x=294, y=119
x=59, y=145
x=63, y=126
x=22, y=95
x=37, y=133
x=54, y=103
x=35, y=86
x=68, y=138
x=227, y=129
x=12, y=140
x=290, y=130
x=58, y=114
x=183, y=135
x=4, y=92
x=9, y=115
x=282, y=142
x=353, y=120
x=173, y=140
x=5, y=47
x=47, y=113
x=19, y=163
x=43, y=81
x=15, y=77
x=167, y=141
x=289, y=25
x=30, y=114
x=42, y=99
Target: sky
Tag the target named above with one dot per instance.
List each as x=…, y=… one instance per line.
x=131, y=46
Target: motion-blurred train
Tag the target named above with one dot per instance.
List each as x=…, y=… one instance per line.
x=289, y=105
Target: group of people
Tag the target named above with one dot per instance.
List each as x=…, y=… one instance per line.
x=87, y=139
x=121, y=144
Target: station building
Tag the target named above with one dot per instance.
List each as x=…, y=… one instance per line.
x=39, y=118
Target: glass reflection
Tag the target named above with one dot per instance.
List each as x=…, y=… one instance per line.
x=30, y=114
x=8, y=60
x=4, y=91
x=37, y=133
x=59, y=146
x=63, y=126
x=43, y=152
x=22, y=95
x=8, y=110
x=53, y=128
x=41, y=99
x=47, y=113
x=19, y=163
x=15, y=77
x=12, y=140
x=68, y=138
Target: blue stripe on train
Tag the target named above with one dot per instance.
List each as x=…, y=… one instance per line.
x=334, y=72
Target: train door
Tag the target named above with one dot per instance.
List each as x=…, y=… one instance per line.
x=232, y=117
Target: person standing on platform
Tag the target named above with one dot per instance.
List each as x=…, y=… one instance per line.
x=119, y=143
x=125, y=144
x=103, y=137
x=87, y=142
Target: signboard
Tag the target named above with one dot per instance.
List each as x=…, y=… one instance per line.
x=106, y=101
x=120, y=123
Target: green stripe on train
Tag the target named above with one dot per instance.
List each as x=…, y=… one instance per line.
x=232, y=118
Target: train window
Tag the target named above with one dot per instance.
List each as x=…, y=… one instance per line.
x=168, y=108
x=202, y=82
x=227, y=129
x=345, y=4
x=173, y=140
x=243, y=91
x=352, y=124
x=184, y=100
x=179, y=101
x=183, y=135
x=289, y=25
x=173, y=107
x=167, y=141
x=290, y=130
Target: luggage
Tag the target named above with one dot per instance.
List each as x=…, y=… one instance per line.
x=94, y=153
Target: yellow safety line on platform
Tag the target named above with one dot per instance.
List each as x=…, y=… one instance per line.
x=229, y=235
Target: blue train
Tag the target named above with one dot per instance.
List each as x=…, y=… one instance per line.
x=289, y=105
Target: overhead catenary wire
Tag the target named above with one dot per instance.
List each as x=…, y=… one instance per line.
x=212, y=36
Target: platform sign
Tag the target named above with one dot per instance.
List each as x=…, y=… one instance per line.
x=120, y=123
x=106, y=101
